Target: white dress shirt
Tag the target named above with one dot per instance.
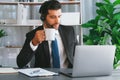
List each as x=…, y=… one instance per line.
x=62, y=55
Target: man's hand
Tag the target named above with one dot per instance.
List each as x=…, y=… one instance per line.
x=39, y=37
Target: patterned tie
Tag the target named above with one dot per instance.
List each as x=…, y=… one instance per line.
x=55, y=54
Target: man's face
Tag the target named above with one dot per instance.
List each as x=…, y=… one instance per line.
x=53, y=18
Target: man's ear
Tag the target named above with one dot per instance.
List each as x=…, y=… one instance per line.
x=42, y=17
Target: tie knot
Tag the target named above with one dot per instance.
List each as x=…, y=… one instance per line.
x=54, y=43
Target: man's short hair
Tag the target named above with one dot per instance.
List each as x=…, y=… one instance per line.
x=48, y=5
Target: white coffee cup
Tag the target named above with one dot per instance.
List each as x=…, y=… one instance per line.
x=50, y=34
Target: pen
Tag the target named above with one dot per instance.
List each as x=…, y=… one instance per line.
x=35, y=71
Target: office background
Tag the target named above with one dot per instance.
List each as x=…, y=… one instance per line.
x=16, y=35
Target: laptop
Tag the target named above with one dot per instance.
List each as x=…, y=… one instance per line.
x=92, y=60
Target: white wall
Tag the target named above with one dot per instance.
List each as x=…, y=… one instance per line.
x=8, y=56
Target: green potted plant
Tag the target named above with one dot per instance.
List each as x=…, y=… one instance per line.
x=2, y=34
x=104, y=29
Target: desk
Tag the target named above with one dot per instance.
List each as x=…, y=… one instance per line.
x=18, y=76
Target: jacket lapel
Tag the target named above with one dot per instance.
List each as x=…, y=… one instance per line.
x=67, y=45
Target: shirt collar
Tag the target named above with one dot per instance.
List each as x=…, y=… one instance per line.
x=56, y=32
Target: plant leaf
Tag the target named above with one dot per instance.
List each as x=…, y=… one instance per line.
x=116, y=2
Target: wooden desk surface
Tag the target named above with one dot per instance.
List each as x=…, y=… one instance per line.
x=18, y=76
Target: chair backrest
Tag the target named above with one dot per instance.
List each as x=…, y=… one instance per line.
x=32, y=62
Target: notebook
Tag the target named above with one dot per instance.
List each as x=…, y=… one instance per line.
x=95, y=60
x=34, y=72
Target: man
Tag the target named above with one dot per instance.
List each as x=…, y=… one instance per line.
x=36, y=45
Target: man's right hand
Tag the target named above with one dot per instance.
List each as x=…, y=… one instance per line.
x=39, y=37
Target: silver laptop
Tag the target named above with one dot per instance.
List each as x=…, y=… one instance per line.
x=95, y=60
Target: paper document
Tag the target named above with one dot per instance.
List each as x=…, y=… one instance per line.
x=7, y=70
x=32, y=72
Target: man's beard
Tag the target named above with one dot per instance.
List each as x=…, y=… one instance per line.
x=48, y=25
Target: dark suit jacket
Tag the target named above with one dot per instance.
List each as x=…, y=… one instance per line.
x=42, y=54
